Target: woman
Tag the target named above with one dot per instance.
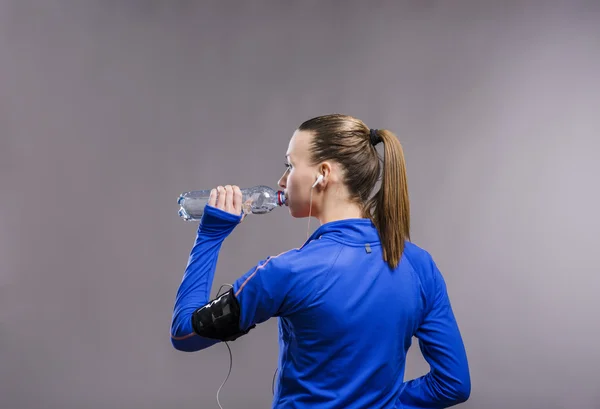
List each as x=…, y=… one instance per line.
x=351, y=298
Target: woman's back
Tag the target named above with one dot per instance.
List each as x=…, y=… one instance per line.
x=346, y=346
x=348, y=319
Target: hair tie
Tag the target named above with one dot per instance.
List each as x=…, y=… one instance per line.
x=375, y=137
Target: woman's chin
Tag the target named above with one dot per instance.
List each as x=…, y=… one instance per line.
x=299, y=214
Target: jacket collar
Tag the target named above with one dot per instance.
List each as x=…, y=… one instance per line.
x=349, y=231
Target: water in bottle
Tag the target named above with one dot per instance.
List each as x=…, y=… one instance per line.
x=256, y=200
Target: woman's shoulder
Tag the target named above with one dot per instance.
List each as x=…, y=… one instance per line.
x=423, y=263
x=311, y=257
x=416, y=253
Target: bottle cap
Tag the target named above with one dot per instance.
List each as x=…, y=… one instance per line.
x=280, y=198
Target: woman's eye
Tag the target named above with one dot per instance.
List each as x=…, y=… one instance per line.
x=288, y=166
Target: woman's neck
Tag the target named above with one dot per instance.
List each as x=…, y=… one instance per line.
x=339, y=211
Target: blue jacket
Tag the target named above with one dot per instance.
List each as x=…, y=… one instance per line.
x=346, y=320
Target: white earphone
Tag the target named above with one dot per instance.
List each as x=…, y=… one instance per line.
x=319, y=180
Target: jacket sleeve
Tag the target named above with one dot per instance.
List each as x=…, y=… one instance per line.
x=195, y=287
x=448, y=382
x=264, y=291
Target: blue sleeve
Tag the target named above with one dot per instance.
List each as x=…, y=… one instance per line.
x=448, y=383
x=194, y=290
x=265, y=290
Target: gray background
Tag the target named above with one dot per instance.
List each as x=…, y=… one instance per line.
x=110, y=109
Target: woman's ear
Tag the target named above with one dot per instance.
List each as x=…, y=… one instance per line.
x=319, y=180
x=326, y=169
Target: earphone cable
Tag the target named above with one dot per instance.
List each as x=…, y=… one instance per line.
x=230, y=355
x=229, y=373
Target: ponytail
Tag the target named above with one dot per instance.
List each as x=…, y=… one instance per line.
x=391, y=214
x=348, y=141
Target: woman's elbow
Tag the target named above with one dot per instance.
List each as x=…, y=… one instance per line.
x=182, y=337
x=462, y=390
x=454, y=390
x=182, y=341
x=192, y=343
x=183, y=345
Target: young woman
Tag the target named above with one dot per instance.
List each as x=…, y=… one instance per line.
x=351, y=298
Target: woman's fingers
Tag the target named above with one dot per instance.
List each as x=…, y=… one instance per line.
x=228, y=199
x=220, y=198
x=212, y=199
x=237, y=200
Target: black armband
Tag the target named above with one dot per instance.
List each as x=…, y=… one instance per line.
x=219, y=319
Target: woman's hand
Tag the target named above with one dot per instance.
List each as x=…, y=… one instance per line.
x=228, y=199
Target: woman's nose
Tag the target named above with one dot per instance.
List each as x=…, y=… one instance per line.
x=282, y=182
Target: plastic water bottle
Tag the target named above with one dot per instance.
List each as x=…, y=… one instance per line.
x=256, y=200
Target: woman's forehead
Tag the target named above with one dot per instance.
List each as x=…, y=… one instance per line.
x=299, y=145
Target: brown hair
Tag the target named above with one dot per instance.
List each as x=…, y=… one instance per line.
x=347, y=141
